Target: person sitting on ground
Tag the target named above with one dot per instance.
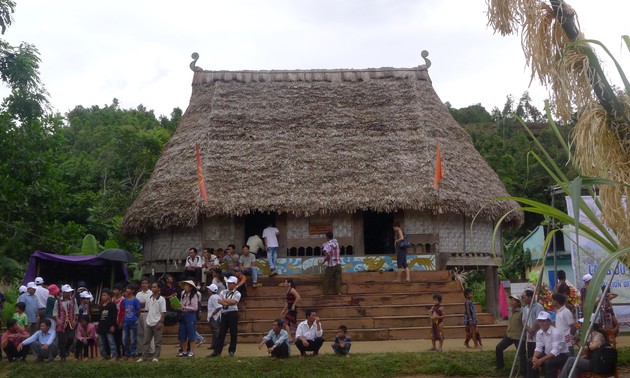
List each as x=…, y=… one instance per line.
x=512, y=336
x=341, y=345
x=43, y=342
x=308, y=336
x=276, y=341
x=11, y=339
x=247, y=267
x=436, y=314
x=19, y=315
x=584, y=364
x=470, y=320
x=86, y=337
x=551, y=351
x=194, y=265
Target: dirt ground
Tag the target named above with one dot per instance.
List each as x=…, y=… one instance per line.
x=248, y=350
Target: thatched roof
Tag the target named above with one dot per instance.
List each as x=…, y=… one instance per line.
x=316, y=141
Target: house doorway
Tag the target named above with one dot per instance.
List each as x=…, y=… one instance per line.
x=378, y=233
x=256, y=222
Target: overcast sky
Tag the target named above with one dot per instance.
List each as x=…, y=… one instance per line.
x=139, y=51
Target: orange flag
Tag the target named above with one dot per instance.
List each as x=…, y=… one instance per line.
x=202, y=184
x=439, y=174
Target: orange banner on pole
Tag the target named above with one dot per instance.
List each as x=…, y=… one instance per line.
x=202, y=184
x=439, y=174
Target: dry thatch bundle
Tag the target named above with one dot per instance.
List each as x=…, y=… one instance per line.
x=315, y=142
x=561, y=59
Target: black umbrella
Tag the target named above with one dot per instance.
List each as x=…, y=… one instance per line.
x=117, y=255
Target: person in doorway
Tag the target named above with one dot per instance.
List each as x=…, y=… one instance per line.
x=246, y=264
x=65, y=313
x=308, y=336
x=270, y=236
x=256, y=246
x=512, y=336
x=276, y=341
x=43, y=342
x=332, y=274
x=229, y=299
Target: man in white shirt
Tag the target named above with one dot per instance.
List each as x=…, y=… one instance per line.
x=42, y=296
x=229, y=299
x=143, y=296
x=156, y=309
x=194, y=264
x=270, y=235
x=214, y=313
x=530, y=313
x=551, y=351
x=565, y=323
x=308, y=336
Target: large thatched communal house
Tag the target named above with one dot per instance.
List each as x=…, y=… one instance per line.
x=347, y=150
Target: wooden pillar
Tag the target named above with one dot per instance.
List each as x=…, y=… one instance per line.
x=492, y=290
x=282, y=224
x=357, y=234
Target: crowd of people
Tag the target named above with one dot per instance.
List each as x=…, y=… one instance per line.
x=56, y=320
x=549, y=347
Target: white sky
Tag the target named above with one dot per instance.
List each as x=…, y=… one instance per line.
x=139, y=51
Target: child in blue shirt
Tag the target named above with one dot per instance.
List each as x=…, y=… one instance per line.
x=342, y=343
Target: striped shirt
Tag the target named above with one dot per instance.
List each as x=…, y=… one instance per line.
x=331, y=248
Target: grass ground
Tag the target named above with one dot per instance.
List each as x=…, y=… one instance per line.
x=450, y=363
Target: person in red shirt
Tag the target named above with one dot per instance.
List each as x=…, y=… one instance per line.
x=13, y=336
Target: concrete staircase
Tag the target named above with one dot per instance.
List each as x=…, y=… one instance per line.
x=371, y=306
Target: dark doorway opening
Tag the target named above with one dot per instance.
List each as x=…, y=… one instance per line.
x=378, y=233
x=255, y=223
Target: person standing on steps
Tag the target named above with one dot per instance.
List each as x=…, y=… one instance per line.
x=289, y=312
x=332, y=274
x=270, y=235
x=401, y=254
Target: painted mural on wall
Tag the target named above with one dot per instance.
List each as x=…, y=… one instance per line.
x=349, y=264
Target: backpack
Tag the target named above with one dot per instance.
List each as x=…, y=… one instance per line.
x=604, y=359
